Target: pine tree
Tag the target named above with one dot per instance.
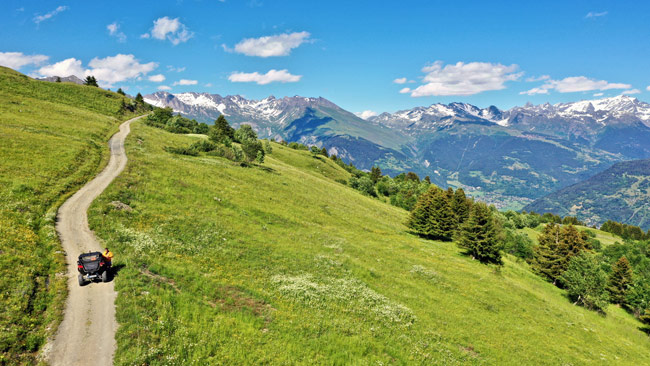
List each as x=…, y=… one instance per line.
x=549, y=259
x=139, y=99
x=120, y=91
x=90, y=81
x=58, y=79
x=620, y=281
x=479, y=235
x=460, y=205
x=375, y=174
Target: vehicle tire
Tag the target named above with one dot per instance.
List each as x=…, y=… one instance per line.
x=81, y=280
x=105, y=276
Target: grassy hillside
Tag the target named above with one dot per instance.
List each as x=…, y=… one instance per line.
x=279, y=264
x=52, y=140
x=620, y=193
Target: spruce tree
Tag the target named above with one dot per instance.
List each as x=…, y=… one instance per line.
x=479, y=235
x=375, y=174
x=139, y=99
x=223, y=128
x=460, y=205
x=120, y=91
x=420, y=219
x=549, y=258
x=573, y=241
x=620, y=281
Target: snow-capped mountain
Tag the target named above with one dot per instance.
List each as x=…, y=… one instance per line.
x=516, y=155
x=207, y=107
x=595, y=113
x=312, y=121
x=438, y=115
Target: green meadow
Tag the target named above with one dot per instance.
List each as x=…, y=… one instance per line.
x=281, y=264
x=52, y=140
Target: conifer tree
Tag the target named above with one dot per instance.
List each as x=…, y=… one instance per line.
x=58, y=79
x=221, y=130
x=573, y=241
x=375, y=174
x=549, y=259
x=120, y=91
x=139, y=99
x=619, y=281
x=90, y=81
x=443, y=221
x=420, y=219
x=479, y=235
x=460, y=205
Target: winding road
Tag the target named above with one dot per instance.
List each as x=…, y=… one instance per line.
x=87, y=334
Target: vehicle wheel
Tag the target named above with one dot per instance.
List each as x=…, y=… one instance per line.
x=81, y=280
x=105, y=276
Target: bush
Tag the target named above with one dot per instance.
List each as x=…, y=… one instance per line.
x=252, y=148
x=245, y=132
x=363, y=185
x=181, y=150
x=585, y=282
x=204, y=146
x=518, y=245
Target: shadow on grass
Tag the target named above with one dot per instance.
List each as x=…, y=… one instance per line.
x=115, y=271
x=645, y=330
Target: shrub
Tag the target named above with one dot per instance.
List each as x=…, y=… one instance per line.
x=203, y=145
x=585, y=282
x=245, y=132
x=252, y=148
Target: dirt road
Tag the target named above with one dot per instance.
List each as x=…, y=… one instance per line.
x=87, y=334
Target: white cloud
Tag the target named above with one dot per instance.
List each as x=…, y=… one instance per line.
x=158, y=78
x=534, y=91
x=631, y=91
x=176, y=69
x=366, y=114
x=404, y=90
x=67, y=67
x=271, y=76
x=400, y=81
x=114, y=69
x=537, y=78
x=171, y=29
x=598, y=94
x=593, y=14
x=575, y=84
x=185, y=82
x=164, y=87
x=114, y=30
x=16, y=60
x=277, y=45
x=464, y=78
x=40, y=18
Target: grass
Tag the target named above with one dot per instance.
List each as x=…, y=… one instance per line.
x=279, y=264
x=604, y=237
x=52, y=140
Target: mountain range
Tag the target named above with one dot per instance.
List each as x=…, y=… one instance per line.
x=620, y=193
x=505, y=157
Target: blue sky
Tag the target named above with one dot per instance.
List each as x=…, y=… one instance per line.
x=363, y=55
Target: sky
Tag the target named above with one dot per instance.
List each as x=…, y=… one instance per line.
x=366, y=56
